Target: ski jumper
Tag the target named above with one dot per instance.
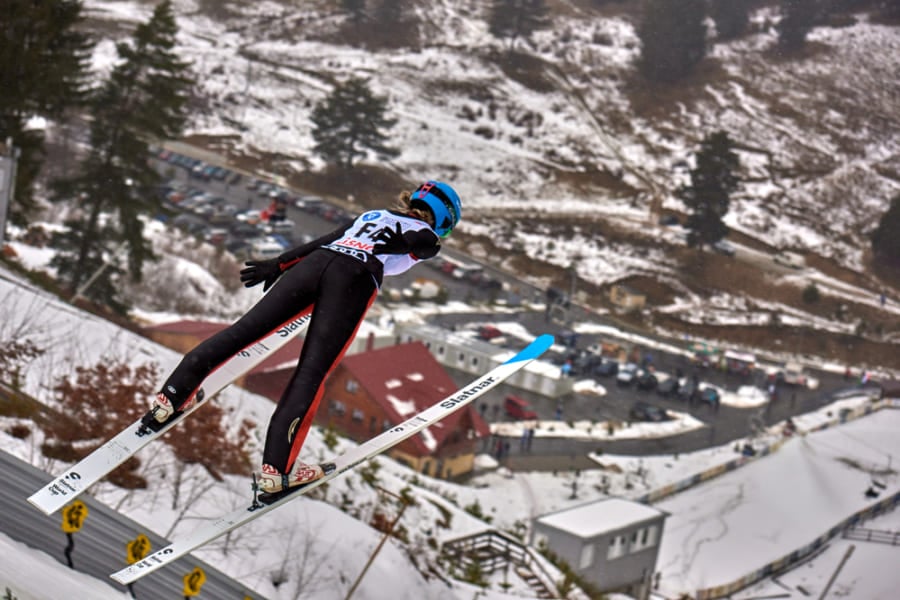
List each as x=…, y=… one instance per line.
x=337, y=277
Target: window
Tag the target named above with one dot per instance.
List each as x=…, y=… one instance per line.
x=373, y=424
x=440, y=350
x=474, y=361
x=352, y=386
x=337, y=408
x=385, y=425
x=651, y=536
x=587, y=557
x=358, y=415
x=616, y=547
x=643, y=538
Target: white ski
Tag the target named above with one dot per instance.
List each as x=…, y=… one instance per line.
x=341, y=464
x=113, y=453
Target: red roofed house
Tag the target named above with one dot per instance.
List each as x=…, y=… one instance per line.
x=372, y=391
x=368, y=392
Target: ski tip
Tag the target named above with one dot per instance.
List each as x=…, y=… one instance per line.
x=540, y=345
x=35, y=501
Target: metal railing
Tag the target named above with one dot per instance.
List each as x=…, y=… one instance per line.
x=492, y=550
x=872, y=535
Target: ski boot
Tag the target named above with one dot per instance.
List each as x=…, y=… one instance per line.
x=273, y=484
x=162, y=412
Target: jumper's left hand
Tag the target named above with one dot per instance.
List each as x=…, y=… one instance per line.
x=261, y=271
x=391, y=241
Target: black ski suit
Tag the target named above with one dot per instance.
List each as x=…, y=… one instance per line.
x=337, y=277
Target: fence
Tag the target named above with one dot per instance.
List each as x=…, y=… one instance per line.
x=492, y=550
x=864, y=534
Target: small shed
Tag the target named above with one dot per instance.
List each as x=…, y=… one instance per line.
x=612, y=543
x=625, y=296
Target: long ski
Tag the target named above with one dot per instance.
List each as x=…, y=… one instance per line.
x=339, y=465
x=113, y=453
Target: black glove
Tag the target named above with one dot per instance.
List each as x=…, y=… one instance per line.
x=391, y=241
x=259, y=271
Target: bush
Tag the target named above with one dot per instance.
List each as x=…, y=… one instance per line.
x=811, y=294
x=20, y=431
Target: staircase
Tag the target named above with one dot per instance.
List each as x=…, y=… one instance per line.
x=493, y=550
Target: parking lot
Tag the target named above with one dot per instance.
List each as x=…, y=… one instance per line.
x=255, y=219
x=724, y=423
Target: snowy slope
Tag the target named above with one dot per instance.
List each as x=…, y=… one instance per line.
x=819, y=130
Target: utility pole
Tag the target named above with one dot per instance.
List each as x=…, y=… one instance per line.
x=384, y=538
x=838, y=570
x=9, y=158
x=81, y=291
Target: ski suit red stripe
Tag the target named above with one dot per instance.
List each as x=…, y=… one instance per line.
x=299, y=435
x=339, y=290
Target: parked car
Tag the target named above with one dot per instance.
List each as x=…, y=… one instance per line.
x=723, y=247
x=627, y=374
x=710, y=395
x=251, y=217
x=793, y=374
x=646, y=380
x=790, y=259
x=309, y=204
x=607, y=368
x=644, y=411
x=667, y=387
x=688, y=390
x=286, y=226
x=518, y=408
x=489, y=332
x=264, y=249
x=190, y=223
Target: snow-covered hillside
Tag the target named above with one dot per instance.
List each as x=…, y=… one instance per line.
x=561, y=152
x=818, y=131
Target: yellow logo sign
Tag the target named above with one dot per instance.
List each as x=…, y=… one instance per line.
x=193, y=581
x=73, y=516
x=138, y=548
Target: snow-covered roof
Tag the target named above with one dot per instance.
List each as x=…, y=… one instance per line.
x=592, y=519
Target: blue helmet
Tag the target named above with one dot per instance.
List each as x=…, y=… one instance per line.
x=443, y=202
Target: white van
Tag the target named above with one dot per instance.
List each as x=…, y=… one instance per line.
x=264, y=249
x=790, y=259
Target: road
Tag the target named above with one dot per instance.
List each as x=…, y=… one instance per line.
x=100, y=546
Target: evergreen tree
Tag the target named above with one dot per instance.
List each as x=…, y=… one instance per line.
x=709, y=194
x=43, y=69
x=731, y=17
x=349, y=123
x=797, y=19
x=886, y=237
x=144, y=100
x=517, y=18
x=673, y=38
